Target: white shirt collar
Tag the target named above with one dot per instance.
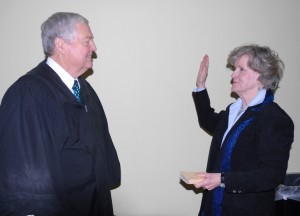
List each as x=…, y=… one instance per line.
x=67, y=79
x=259, y=98
x=235, y=109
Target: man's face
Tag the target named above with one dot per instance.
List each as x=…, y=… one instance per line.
x=78, y=55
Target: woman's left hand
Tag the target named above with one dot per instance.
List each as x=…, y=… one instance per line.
x=210, y=180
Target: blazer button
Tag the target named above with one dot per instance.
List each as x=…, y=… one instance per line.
x=239, y=191
x=234, y=191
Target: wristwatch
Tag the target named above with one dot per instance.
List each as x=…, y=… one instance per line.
x=222, y=184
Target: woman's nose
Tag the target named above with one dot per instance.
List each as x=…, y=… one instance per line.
x=234, y=73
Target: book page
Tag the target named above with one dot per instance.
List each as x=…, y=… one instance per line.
x=190, y=177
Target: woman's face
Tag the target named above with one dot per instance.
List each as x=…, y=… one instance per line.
x=244, y=79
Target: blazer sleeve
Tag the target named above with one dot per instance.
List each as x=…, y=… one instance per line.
x=207, y=117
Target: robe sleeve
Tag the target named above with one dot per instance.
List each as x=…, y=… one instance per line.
x=26, y=184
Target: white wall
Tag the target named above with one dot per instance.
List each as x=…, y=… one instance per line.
x=149, y=52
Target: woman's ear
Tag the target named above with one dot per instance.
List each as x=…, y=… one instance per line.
x=259, y=85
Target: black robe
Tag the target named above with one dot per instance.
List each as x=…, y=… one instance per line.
x=56, y=155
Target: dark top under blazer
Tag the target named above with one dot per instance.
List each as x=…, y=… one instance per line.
x=259, y=159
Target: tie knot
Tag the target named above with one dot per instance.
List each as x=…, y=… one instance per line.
x=76, y=91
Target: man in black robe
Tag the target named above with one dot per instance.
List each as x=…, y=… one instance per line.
x=56, y=153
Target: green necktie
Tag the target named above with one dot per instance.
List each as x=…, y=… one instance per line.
x=76, y=91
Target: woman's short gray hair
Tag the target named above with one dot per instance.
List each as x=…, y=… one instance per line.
x=262, y=60
x=62, y=25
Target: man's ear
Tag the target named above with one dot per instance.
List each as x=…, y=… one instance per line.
x=60, y=45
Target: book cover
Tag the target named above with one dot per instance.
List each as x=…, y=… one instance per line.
x=190, y=177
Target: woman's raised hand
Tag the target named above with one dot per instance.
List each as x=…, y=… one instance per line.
x=203, y=72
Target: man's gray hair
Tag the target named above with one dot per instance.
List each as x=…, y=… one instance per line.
x=62, y=25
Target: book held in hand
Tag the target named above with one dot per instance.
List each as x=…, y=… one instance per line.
x=190, y=177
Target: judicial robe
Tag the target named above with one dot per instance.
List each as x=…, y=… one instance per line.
x=56, y=154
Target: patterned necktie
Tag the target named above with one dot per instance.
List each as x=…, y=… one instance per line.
x=76, y=91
